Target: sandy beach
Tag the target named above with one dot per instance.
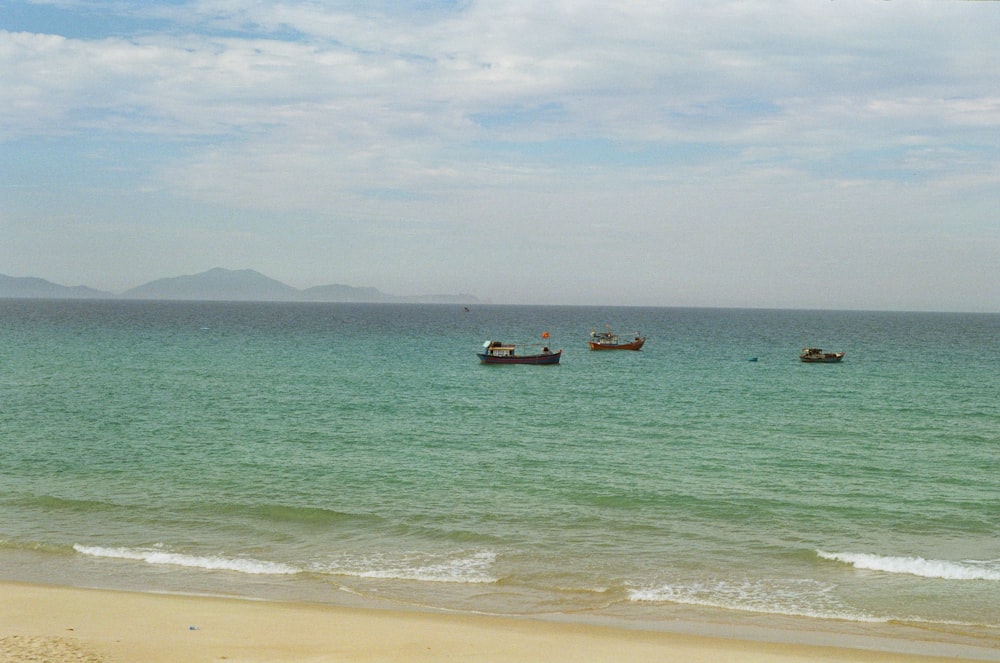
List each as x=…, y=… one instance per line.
x=58, y=624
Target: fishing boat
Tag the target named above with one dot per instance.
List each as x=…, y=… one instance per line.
x=817, y=356
x=498, y=352
x=607, y=340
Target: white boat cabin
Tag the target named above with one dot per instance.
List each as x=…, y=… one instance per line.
x=498, y=349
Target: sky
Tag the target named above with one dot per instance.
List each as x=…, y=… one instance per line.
x=831, y=154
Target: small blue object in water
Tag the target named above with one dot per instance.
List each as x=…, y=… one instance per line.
x=752, y=359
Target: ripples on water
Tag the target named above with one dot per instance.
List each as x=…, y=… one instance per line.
x=363, y=448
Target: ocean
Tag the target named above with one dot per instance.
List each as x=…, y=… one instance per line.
x=358, y=454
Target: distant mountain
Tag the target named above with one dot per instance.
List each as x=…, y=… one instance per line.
x=29, y=287
x=222, y=285
x=217, y=284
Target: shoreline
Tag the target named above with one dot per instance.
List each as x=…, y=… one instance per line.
x=74, y=625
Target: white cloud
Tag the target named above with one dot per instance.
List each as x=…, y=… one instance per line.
x=678, y=120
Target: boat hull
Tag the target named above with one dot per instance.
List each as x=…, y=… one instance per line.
x=550, y=358
x=634, y=345
x=829, y=358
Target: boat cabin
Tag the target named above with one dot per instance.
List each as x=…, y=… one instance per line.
x=498, y=349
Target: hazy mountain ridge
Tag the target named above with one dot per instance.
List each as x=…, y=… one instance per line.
x=219, y=285
x=30, y=287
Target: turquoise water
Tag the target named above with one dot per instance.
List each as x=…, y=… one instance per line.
x=346, y=453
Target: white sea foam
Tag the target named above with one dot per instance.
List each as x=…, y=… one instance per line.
x=460, y=567
x=918, y=566
x=214, y=563
x=803, y=598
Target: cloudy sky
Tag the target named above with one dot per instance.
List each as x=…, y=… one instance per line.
x=789, y=154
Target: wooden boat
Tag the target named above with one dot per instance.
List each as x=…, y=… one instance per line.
x=606, y=340
x=817, y=356
x=497, y=352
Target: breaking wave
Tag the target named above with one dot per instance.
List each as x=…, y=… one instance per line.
x=970, y=569
x=463, y=567
x=210, y=562
x=804, y=598
x=459, y=567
